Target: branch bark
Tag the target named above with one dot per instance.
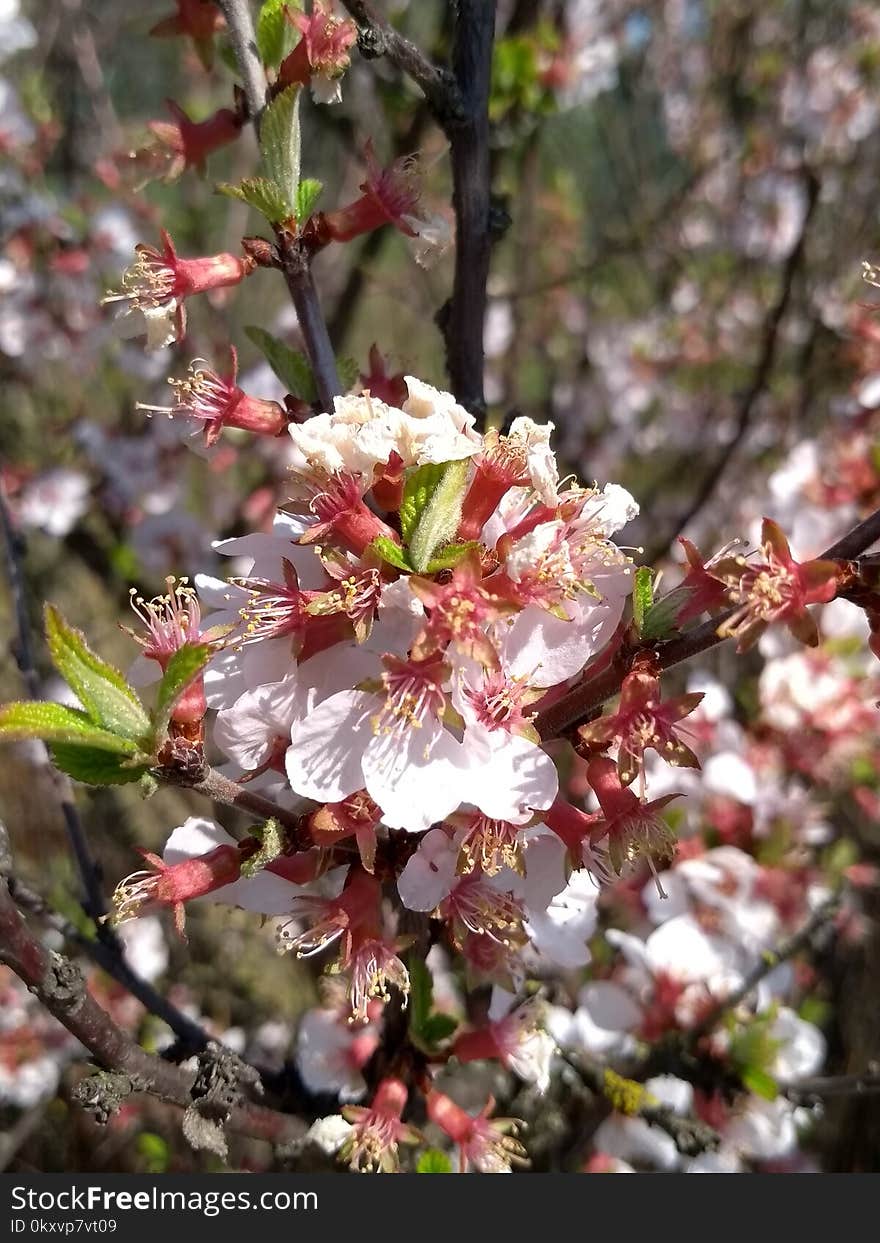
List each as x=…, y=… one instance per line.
x=463, y=316
x=59, y=986
x=580, y=702
x=295, y=259
x=376, y=37
x=242, y=36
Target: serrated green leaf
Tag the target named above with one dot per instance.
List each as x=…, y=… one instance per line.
x=438, y=1027
x=417, y=491
x=433, y=1161
x=643, y=597
x=261, y=194
x=289, y=365
x=271, y=846
x=280, y=145
x=101, y=689
x=449, y=556
x=440, y=517
x=93, y=767
x=275, y=35
x=181, y=671
x=307, y=195
x=759, y=1082
x=659, y=619
x=55, y=722
x=391, y=553
x=349, y=372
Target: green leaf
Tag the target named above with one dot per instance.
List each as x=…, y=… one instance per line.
x=181, y=671
x=289, y=365
x=57, y=723
x=271, y=847
x=417, y=491
x=391, y=553
x=261, y=194
x=93, y=767
x=433, y=1161
x=101, y=689
x=643, y=597
x=659, y=619
x=759, y=1082
x=307, y=195
x=280, y=145
x=440, y=517
x=449, y=556
x=275, y=35
x=349, y=373
x=438, y=1027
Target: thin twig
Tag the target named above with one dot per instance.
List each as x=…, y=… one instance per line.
x=583, y=700
x=760, y=379
x=58, y=984
x=377, y=37
x=242, y=36
x=826, y=1087
x=192, y=1038
x=691, y=1136
x=799, y=940
x=297, y=265
x=90, y=875
x=295, y=258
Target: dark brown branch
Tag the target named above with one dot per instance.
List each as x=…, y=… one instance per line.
x=463, y=317
x=295, y=258
x=580, y=702
x=192, y=1038
x=242, y=36
x=825, y=1087
x=691, y=1136
x=296, y=263
x=760, y=379
x=376, y=37
x=59, y=986
x=93, y=898
x=799, y=940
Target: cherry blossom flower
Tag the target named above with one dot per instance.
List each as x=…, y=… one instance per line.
x=377, y=1131
x=517, y=1039
x=489, y=1144
x=321, y=57
x=643, y=721
x=217, y=402
x=777, y=589
x=156, y=286
x=182, y=144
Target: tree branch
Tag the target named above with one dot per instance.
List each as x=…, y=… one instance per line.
x=295, y=258
x=377, y=37
x=192, y=1038
x=462, y=318
x=580, y=702
x=760, y=379
x=296, y=263
x=58, y=985
x=691, y=1136
x=242, y=36
x=770, y=960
